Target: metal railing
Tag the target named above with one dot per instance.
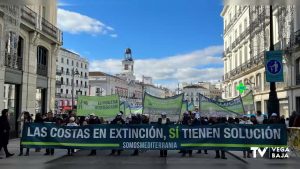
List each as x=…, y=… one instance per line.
x=32, y=18
x=29, y=15
x=13, y=62
x=58, y=72
x=42, y=70
x=258, y=60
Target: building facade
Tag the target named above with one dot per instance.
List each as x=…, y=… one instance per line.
x=246, y=39
x=192, y=91
x=71, y=77
x=29, y=42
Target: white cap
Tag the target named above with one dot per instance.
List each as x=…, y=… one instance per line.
x=92, y=114
x=163, y=113
x=72, y=118
x=119, y=114
x=274, y=114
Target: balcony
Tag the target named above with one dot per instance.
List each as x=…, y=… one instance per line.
x=33, y=21
x=29, y=16
x=250, y=64
x=42, y=70
x=58, y=95
x=13, y=62
x=58, y=72
x=58, y=83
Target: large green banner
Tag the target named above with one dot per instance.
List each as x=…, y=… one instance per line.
x=211, y=107
x=102, y=106
x=154, y=137
x=248, y=102
x=154, y=106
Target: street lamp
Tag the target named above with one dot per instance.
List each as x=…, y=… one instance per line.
x=74, y=72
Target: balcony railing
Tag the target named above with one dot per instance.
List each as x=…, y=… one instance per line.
x=13, y=62
x=58, y=83
x=31, y=19
x=29, y=16
x=42, y=70
x=58, y=95
x=252, y=63
x=58, y=72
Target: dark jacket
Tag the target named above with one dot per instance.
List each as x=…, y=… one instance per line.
x=4, y=130
x=160, y=121
x=117, y=121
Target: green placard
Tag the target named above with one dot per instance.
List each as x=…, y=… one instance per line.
x=102, y=106
x=154, y=106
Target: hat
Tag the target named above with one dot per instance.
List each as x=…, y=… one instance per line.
x=186, y=113
x=274, y=114
x=119, y=114
x=163, y=113
x=92, y=114
x=245, y=116
x=72, y=118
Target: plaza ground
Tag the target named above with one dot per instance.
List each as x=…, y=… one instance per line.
x=146, y=160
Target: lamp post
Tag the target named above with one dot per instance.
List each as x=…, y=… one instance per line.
x=273, y=102
x=74, y=72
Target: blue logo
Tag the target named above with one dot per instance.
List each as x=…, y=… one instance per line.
x=274, y=66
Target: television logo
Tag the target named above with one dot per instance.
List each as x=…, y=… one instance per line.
x=274, y=152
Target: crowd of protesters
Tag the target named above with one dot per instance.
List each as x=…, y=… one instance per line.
x=189, y=118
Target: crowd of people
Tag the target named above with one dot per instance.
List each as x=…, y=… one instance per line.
x=189, y=118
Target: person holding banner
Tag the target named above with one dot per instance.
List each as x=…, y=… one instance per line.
x=246, y=120
x=50, y=119
x=163, y=121
x=119, y=121
x=135, y=119
x=24, y=118
x=186, y=120
x=93, y=120
x=73, y=124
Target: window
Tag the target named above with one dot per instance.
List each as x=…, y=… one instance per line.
x=67, y=81
x=67, y=61
x=62, y=70
x=85, y=93
x=62, y=60
x=241, y=57
x=76, y=64
x=72, y=63
x=297, y=71
x=126, y=67
x=42, y=55
x=258, y=81
x=85, y=66
x=61, y=91
x=81, y=74
x=81, y=65
x=62, y=80
x=67, y=91
x=67, y=72
x=245, y=53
